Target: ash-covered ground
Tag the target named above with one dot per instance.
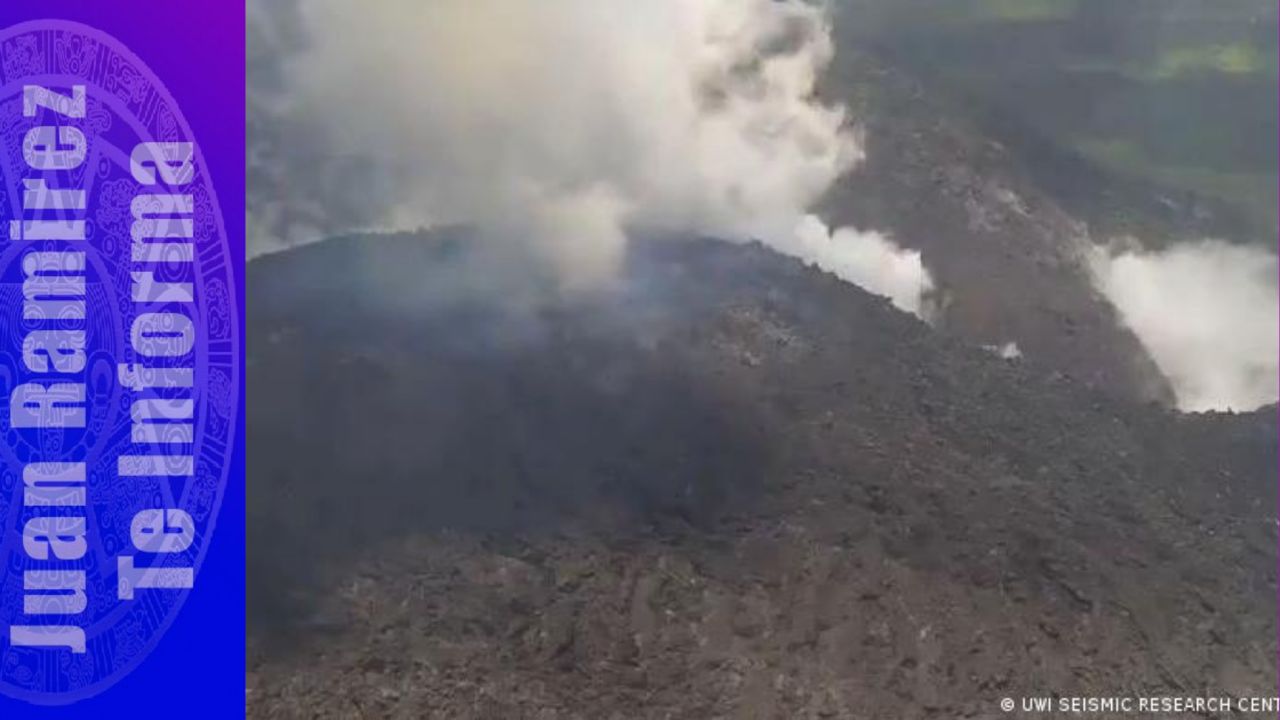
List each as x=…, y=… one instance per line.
x=491, y=480
x=726, y=486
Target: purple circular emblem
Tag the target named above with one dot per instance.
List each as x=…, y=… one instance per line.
x=119, y=347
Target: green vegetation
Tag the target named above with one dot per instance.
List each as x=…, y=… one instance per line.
x=1253, y=192
x=1183, y=94
x=1231, y=59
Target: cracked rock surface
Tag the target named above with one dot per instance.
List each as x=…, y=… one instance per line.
x=729, y=487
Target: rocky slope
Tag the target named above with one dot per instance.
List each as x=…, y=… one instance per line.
x=729, y=487
x=1009, y=260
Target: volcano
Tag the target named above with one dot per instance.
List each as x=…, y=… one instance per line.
x=726, y=485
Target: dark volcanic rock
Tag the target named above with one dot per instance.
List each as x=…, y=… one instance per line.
x=1009, y=261
x=730, y=487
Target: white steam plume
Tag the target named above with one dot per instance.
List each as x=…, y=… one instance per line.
x=1208, y=314
x=564, y=123
x=868, y=259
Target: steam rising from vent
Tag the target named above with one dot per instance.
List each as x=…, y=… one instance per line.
x=1207, y=313
x=1007, y=351
x=557, y=126
x=868, y=259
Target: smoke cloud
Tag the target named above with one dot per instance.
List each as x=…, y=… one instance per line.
x=1208, y=314
x=867, y=259
x=557, y=126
